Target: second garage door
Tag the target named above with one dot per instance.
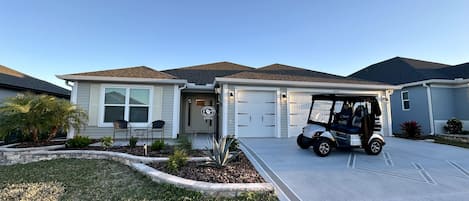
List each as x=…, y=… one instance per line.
x=299, y=104
x=256, y=113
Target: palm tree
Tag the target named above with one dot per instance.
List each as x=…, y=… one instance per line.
x=35, y=114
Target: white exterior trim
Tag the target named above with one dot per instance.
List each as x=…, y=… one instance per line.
x=101, y=103
x=277, y=105
x=430, y=108
x=332, y=91
x=388, y=94
x=306, y=84
x=73, y=100
x=121, y=79
x=439, y=81
x=450, y=86
x=225, y=110
x=402, y=100
x=176, y=111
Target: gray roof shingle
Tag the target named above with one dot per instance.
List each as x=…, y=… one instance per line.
x=206, y=73
x=290, y=73
x=13, y=79
x=133, y=72
x=399, y=70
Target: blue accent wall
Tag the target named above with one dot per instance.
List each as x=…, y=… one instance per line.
x=461, y=102
x=418, y=109
x=443, y=101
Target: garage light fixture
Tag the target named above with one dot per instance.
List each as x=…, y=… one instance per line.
x=284, y=95
x=231, y=94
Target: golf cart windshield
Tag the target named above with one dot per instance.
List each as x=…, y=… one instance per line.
x=321, y=111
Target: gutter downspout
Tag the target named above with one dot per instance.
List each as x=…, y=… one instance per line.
x=430, y=108
x=178, y=113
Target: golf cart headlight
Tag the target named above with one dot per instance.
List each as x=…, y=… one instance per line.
x=317, y=134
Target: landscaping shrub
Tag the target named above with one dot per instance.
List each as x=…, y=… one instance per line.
x=106, y=142
x=453, y=126
x=184, y=143
x=78, y=142
x=13, y=136
x=40, y=114
x=235, y=144
x=177, y=160
x=133, y=142
x=157, y=145
x=220, y=153
x=411, y=129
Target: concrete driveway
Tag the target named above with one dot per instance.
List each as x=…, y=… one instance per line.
x=405, y=170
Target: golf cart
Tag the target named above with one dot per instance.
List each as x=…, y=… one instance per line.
x=343, y=122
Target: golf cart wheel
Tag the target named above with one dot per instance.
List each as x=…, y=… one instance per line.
x=323, y=147
x=374, y=147
x=301, y=142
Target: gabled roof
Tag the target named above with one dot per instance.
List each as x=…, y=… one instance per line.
x=399, y=70
x=290, y=73
x=13, y=79
x=206, y=73
x=134, y=72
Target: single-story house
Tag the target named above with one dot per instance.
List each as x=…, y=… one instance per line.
x=272, y=101
x=431, y=93
x=13, y=83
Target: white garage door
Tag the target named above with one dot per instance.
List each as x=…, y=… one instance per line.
x=256, y=113
x=299, y=104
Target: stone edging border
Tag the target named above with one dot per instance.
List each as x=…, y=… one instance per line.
x=138, y=163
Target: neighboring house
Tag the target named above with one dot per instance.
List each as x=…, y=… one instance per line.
x=431, y=92
x=13, y=83
x=271, y=101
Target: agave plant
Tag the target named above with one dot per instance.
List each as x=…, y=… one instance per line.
x=220, y=154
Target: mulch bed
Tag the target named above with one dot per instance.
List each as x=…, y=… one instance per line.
x=39, y=144
x=237, y=171
x=138, y=151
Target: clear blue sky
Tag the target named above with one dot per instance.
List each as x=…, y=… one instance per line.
x=49, y=37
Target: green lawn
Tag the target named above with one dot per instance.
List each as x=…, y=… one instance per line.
x=97, y=180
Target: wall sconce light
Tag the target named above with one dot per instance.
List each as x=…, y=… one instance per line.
x=231, y=93
x=284, y=95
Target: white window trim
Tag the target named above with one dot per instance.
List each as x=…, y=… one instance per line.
x=126, y=111
x=402, y=100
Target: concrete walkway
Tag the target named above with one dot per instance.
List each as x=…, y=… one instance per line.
x=405, y=170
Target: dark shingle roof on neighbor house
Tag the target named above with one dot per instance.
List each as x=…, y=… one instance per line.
x=131, y=72
x=399, y=70
x=206, y=73
x=290, y=73
x=13, y=79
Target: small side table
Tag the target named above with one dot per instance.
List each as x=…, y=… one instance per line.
x=140, y=132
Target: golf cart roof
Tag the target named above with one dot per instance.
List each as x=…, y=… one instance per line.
x=352, y=98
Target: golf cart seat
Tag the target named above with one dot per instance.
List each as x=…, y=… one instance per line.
x=346, y=129
x=350, y=125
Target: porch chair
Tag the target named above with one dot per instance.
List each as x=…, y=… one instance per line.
x=157, y=126
x=121, y=126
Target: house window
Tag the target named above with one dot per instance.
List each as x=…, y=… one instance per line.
x=131, y=104
x=405, y=100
